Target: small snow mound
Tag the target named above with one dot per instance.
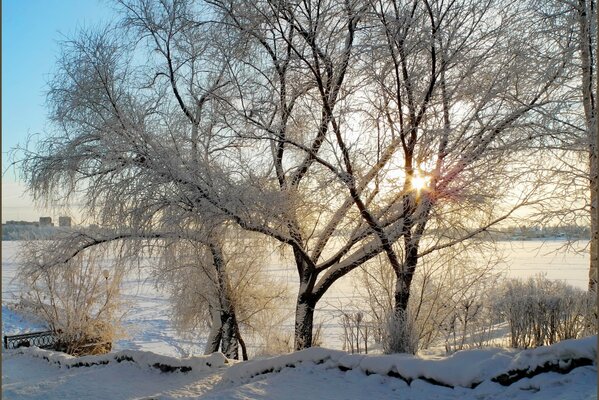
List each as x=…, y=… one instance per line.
x=143, y=359
x=243, y=372
x=564, y=350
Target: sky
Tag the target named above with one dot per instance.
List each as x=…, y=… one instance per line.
x=31, y=32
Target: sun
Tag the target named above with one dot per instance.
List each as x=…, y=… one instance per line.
x=420, y=182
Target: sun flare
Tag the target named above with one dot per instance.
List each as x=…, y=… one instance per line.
x=420, y=182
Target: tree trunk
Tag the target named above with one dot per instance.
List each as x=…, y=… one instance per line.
x=399, y=333
x=405, y=341
x=402, y=293
x=229, y=343
x=406, y=274
x=594, y=182
x=215, y=336
x=228, y=319
x=244, y=350
x=304, y=321
x=585, y=16
x=305, y=304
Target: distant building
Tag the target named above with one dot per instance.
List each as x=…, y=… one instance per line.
x=22, y=223
x=64, y=222
x=46, y=221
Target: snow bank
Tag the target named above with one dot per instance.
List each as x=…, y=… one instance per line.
x=466, y=368
x=243, y=372
x=564, y=350
x=143, y=359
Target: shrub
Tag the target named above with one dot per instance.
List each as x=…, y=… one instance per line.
x=542, y=312
x=400, y=335
x=78, y=299
x=448, y=301
x=356, y=332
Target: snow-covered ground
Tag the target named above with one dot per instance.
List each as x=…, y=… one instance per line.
x=146, y=324
x=133, y=370
x=314, y=373
x=559, y=259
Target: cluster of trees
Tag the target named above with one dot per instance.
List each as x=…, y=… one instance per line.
x=341, y=130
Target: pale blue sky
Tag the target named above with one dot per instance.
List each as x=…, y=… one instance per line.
x=31, y=30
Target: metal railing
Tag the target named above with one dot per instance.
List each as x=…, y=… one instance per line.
x=44, y=340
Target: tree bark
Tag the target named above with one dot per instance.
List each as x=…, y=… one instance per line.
x=228, y=319
x=305, y=303
x=304, y=321
x=244, y=350
x=594, y=184
x=229, y=342
x=585, y=17
x=215, y=336
x=405, y=276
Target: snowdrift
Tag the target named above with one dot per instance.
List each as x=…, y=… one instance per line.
x=466, y=368
x=32, y=373
x=142, y=359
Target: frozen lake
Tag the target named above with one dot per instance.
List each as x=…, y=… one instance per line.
x=149, y=328
x=558, y=259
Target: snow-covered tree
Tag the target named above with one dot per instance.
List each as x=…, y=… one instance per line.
x=408, y=112
x=341, y=129
x=570, y=148
x=107, y=127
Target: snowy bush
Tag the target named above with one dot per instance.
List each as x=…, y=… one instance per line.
x=78, y=299
x=542, y=312
x=468, y=325
x=400, y=334
x=275, y=342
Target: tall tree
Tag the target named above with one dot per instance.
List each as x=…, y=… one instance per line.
x=570, y=26
x=373, y=100
x=586, y=11
x=341, y=129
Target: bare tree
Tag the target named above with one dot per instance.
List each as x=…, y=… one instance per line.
x=105, y=113
x=571, y=146
x=342, y=130
x=437, y=128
